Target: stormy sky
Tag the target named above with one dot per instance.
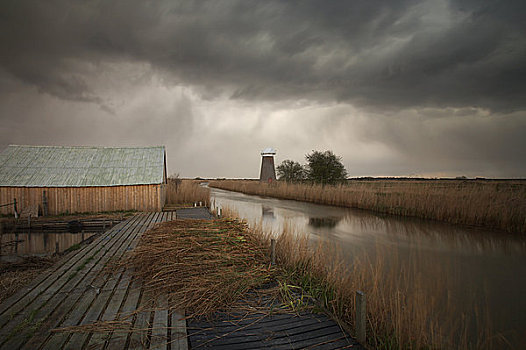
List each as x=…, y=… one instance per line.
x=394, y=87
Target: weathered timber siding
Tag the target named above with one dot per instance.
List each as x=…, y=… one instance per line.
x=86, y=199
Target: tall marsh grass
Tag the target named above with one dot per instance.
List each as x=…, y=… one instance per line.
x=493, y=204
x=406, y=307
x=186, y=192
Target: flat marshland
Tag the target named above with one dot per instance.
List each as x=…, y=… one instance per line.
x=493, y=204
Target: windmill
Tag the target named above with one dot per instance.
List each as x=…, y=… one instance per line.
x=268, y=173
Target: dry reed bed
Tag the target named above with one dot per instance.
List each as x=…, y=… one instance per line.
x=405, y=308
x=493, y=204
x=186, y=192
x=201, y=265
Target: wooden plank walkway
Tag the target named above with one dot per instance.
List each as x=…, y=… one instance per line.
x=261, y=324
x=79, y=292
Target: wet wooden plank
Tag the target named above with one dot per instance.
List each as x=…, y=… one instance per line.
x=26, y=295
x=159, y=332
x=256, y=331
x=85, y=282
x=178, y=335
x=93, y=314
x=112, y=309
x=194, y=213
x=139, y=336
x=71, y=283
x=118, y=341
x=86, y=311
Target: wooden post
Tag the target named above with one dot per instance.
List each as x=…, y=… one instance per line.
x=44, y=204
x=273, y=251
x=29, y=225
x=361, y=317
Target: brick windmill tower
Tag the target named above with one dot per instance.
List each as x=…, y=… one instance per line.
x=268, y=173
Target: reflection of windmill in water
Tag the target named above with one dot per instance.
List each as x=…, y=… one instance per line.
x=329, y=221
x=267, y=212
x=268, y=173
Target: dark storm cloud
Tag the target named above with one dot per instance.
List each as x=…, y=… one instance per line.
x=387, y=54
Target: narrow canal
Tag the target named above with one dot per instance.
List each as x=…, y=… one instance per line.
x=481, y=272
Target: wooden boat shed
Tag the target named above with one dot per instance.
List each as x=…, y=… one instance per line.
x=58, y=179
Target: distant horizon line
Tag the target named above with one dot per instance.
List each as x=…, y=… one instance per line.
x=458, y=178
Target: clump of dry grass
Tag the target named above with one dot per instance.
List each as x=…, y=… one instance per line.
x=201, y=265
x=14, y=276
x=186, y=192
x=493, y=204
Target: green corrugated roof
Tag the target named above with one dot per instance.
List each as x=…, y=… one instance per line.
x=60, y=166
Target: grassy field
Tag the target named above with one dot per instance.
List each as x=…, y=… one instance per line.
x=492, y=204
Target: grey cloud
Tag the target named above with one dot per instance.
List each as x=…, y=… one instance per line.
x=377, y=53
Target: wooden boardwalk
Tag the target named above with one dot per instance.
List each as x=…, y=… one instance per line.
x=78, y=292
x=260, y=328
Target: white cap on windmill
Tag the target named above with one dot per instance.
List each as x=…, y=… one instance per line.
x=268, y=151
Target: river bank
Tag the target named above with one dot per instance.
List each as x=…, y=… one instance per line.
x=419, y=275
x=492, y=204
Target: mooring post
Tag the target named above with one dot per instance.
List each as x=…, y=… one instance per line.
x=273, y=251
x=14, y=208
x=219, y=213
x=200, y=203
x=195, y=204
x=361, y=317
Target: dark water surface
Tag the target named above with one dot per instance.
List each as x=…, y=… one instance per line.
x=38, y=243
x=483, y=271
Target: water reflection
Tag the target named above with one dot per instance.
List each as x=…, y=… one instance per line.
x=330, y=222
x=477, y=266
x=267, y=212
x=25, y=244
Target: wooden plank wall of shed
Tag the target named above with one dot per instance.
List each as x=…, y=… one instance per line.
x=85, y=199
